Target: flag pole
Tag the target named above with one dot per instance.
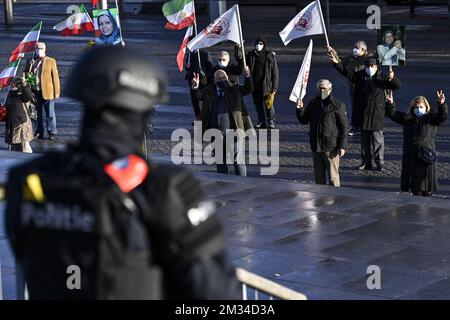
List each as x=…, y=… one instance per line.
x=195, y=30
x=240, y=36
x=120, y=27
x=323, y=23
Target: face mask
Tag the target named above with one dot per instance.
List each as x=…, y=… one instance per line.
x=259, y=47
x=223, y=64
x=371, y=71
x=40, y=53
x=324, y=94
x=222, y=84
x=356, y=52
x=419, y=112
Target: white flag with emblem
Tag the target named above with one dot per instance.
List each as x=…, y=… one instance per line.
x=307, y=22
x=225, y=27
x=299, y=90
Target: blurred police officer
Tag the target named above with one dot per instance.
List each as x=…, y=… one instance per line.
x=130, y=229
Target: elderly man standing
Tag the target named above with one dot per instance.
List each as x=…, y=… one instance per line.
x=41, y=73
x=223, y=63
x=222, y=110
x=371, y=86
x=327, y=118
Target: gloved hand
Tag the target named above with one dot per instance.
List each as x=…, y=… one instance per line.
x=269, y=100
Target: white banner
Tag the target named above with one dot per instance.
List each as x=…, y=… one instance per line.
x=307, y=22
x=225, y=27
x=299, y=90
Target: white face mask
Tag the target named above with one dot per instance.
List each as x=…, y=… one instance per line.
x=325, y=94
x=420, y=111
x=356, y=52
x=223, y=64
x=371, y=71
x=40, y=53
x=259, y=47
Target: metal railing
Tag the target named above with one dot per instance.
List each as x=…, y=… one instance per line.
x=261, y=288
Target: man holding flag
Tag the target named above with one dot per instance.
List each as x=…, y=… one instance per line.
x=327, y=119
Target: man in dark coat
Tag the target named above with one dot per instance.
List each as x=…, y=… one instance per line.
x=191, y=67
x=327, y=118
x=370, y=93
x=223, y=63
x=264, y=69
x=356, y=61
x=223, y=110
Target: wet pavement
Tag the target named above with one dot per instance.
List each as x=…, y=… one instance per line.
x=318, y=240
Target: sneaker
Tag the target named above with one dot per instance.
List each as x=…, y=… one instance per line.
x=51, y=136
x=380, y=167
x=261, y=125
x=39, y=136
x=365, y=166
x=271, y=126
x=354, y=132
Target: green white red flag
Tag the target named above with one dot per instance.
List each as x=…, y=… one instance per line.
x=182, y=51
x=76, y=23
x=28, y=43
x=180, y=14
x=9, y=73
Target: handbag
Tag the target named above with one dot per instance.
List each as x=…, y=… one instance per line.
x=32, y=113
x=426, y=155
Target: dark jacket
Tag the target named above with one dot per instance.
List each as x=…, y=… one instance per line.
x=328, y=127
x=417, y=175
x=157, y=252
x=370, y=96
x=233, y=97
x=16, y=110
x=233, y=71
x=271, y=74
x=356, y=63
x=206, y=64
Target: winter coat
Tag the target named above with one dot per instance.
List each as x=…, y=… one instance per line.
x=271, y=74
x=18, y=126
x=370, y=102
x=417, y=175
x=192, y=58
x=233, y=98
x=328, y=127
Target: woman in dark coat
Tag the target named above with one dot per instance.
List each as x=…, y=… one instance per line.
x=18, y=127
x=420, y=125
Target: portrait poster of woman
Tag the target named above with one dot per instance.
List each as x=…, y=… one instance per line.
x=391, y=45
x=107, y=27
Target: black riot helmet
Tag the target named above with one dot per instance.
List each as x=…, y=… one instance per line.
x=113, y=76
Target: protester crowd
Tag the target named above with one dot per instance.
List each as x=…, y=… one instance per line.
x=217, y=87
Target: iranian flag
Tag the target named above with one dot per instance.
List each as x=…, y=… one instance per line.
x=180, y=14
x=28, y=43
x=182, y=51
x=9, y=73
x=77, y=23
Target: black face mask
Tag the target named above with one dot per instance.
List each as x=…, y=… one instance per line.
x=223, y=84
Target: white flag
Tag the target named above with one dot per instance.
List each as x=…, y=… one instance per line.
x=225, y=27
x=299, y=90
x=308, y=22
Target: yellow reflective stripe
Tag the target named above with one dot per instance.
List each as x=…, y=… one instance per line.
x=2, y=193
x=33, y=190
